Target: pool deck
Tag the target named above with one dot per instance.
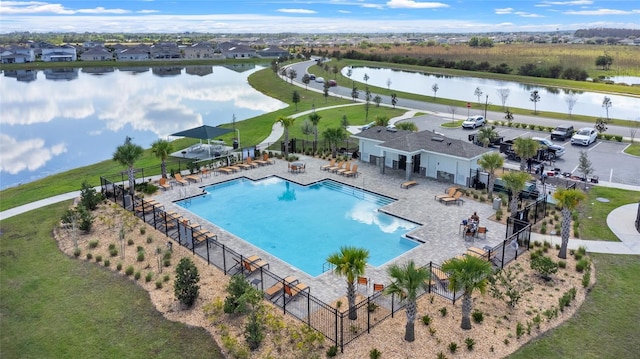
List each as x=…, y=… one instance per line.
x=439, y=230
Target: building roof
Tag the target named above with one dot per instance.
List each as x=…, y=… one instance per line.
x=414, y=142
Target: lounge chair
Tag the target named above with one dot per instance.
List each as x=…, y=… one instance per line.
x=205, y=172
x=408, y=184
x=194, y=178
x=329, y=165
x=293, y=291
x=274, y=289
x=226, y=170
x=200, y=236
x=250, y=162
x=336, y=167
x=363, y=281
x=347, y=167
x=442, y=277
x=454, y=199
x=269, y=161
x=163, y=183
x=251, y=267
x=480, y=253
x=450, y=192
x=179, y=179
x=353, y=172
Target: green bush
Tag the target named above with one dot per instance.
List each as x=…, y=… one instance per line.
x=158, y=284
x=137, y=275
x=143, y=230
x=149, y=239
x=586, y=278
x=89, y=256
x=112, y=246
x=119, y=267
x=77, y=252
x=453, y=346
x=148, y=277
x=140, y=257
x=98, y=258
x=166, y=278
x=375, y=354
x=332, y=351
x=426, y=319
x=443, y=311
x=186, y=286
x=130, y=242
x=545, y=266
x=107, y=262
x=562, y=264
x=93, y=244
x=470, y=343
x=113, y=252
x=582, y=264
x=519, y=330
x=129, y=270
x=254, y=331
x=477, y=316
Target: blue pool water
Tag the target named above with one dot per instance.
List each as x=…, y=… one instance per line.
x=302, y=225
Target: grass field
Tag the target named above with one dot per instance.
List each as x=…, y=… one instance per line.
x=593, y=218
x=57, y=307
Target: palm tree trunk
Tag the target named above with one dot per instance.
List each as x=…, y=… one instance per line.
x=132, y=181
x=466, y=312
x=566, y=230
x=351, y=298
x=523, y=163
x=409, y=333
x=286, y=143
x=315, y=139
x=514, y=204
x=163, y=168
x=490, y=184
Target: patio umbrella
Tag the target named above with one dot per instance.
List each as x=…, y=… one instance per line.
x=204, y=132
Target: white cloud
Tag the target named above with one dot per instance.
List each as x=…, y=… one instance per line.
x=147, y=11
x=603, y=12
x=32, y=7
x=526, y=14
x=344, y=12
x=504, y=11
x=568, y=3
x=411, y=4
x=101, y=10
x=296, y=11
x=31, y=154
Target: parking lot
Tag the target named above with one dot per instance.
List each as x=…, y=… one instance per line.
x=608, y=160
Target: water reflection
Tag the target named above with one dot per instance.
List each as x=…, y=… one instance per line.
x=462, y=89
x=80, y=117
x=367, y=213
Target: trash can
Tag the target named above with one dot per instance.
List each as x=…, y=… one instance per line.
x=496, y=203
x=235, y=144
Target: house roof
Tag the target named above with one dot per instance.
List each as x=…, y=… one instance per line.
x=413, y=142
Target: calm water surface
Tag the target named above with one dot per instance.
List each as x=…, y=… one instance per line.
x=463, y=89
x=55, y=120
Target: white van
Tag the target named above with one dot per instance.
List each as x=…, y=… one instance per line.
x=319, y=79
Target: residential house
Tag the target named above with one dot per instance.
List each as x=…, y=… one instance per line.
x=63, y=53
x=427, y=154
x=17, y=55
x=96, y=54
x=165, y=51
x=274, y=51
x=137, y=53
x=200, y=50
x=236, y=51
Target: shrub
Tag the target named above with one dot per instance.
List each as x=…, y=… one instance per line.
x=499, y=214
x=519, y=330
x=148, y=277
x=332, y=351
x=586, y=278
x=98, y=258
x=140, y=256
x=112, y=246
x=130, y=242
x=582, y=264
x=426, y=319
x=443, y=311
x=374, y=354
x=441, y=355
x=119, y=267
x=582, y=250
x=137, y=275
x=107, y=262
x=93, y=244
x=143, y=230
x=186, y=286
x=254, y=331
x=149, y=239
x=371, y=307
x=89, y=256
x=166, y=262
x=129, y=270
x=113, y=252
x=562, y=264
x=477, y=316
x=77, y=252
x=158, y=284
x=89, y=197
x=453, y=346
x=166, y=278
x=545, y=266
x=470, y=343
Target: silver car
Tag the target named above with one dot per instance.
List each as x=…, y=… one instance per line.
x=473, y=122
x=585, y=136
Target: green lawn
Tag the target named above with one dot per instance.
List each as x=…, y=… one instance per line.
x=593, y=218
x=53, y=306
x=608, y=323
x=633, y=149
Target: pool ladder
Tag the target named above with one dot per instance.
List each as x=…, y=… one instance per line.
x=326, y=266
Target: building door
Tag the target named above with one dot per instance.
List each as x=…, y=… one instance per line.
x=402, y=162
x=416, y=163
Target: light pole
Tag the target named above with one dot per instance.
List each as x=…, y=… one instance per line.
x=238, y=132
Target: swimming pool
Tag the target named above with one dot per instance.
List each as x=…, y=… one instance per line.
x=302, y=225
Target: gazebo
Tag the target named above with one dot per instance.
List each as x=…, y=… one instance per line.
x=204, y=132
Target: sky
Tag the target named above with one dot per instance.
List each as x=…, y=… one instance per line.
x=316, y=16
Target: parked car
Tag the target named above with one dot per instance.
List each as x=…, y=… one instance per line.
x=333, y=83
x=367, y=126
x=559, y=150
x=320, y=79
x=312, y=77
x=585, y=136
x=562, y=132
x=473, y=122
x=529, y=190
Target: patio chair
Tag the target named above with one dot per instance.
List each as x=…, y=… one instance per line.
x=328, y=165
x=179, y=179
x=353, y=172
x=279, y=285
x=363, y=281
x=193, y=177
x=482, y=231
x=336, y=167
x=163, y=183
x=293, y=291
x=378, y=287
x=454, y=199
x=347, y=167
x=450, y=192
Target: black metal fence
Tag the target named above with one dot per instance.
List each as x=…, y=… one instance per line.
x=332, y=322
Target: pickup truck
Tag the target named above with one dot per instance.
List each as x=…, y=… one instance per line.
x=494, y=142
x=529, y=191
x=543, y=154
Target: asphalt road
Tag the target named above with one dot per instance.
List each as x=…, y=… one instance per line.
x=608, y=160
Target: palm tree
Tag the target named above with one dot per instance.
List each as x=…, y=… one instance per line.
x=127, y=155
x=315, y=119
x=334, y=136
x=568, y=200
x=525, y=148
x=409, y=126
x=514, y=181
x=407, y=280
x=468, y=274
x=286, y=122
x=490, y=162
x=350, y=262
x=381, y=120
x=162, y=149
x=486, y=135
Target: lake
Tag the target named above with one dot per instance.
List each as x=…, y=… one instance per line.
x=58, y=119
x=463, y=89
